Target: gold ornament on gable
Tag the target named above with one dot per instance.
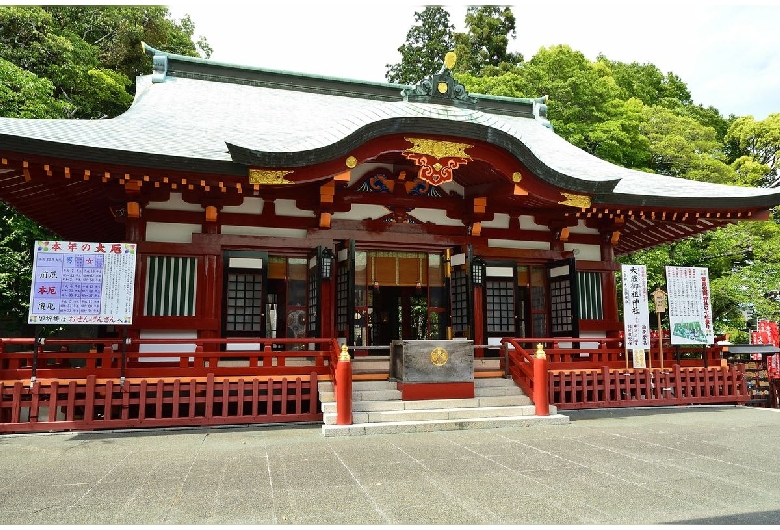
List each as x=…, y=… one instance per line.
x=578, y=201
x=269, y=176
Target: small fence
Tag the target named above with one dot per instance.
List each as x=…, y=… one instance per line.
x=593, y=373
x=209, y=384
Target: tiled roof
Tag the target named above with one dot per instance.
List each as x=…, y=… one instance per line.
x=188, y=120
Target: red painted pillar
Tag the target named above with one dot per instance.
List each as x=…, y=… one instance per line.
x=541, y=400
x=479, y=315
x=344, y=388
x=608, y=283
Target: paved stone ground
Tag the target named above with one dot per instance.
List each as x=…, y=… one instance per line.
x=698, y=465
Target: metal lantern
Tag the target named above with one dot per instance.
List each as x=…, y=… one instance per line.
x=477, y=270
x=327, y=264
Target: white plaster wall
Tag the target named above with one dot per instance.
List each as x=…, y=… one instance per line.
x=430, y=215
x=171, y=232
x=263, y=231
x=287, y=207
x=359, y=212
x=509, y=243
x=175, y=203
x=251, y=205
x=527, y=223
x=500, y=220
x=586, y=252
x=582, y=229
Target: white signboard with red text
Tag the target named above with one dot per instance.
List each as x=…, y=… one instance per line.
x=82, y=283
x=690, y=311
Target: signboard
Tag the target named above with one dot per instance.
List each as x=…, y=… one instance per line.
x=82, y=283
x=636, y=316
x=690, y=312
x=773, y=366
x=767, y=333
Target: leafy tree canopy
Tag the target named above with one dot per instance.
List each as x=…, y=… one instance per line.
x=426, y=44
x=70, y=62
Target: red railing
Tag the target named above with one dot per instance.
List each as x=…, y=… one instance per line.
x=215, y=381
x=529, y=372
x=594, y=373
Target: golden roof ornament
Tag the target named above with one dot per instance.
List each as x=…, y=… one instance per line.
x=441, y=88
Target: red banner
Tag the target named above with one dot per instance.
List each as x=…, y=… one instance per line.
x=773, y=366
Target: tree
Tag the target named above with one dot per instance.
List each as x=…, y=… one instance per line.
x=17, y=237
x=25, y=95
x=426, y=44
x=69, y=62
x=484, y=47
x=757, y=143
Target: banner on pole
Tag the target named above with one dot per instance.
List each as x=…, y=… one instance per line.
x=636, y=315
x=690, y=312
x=82, y=283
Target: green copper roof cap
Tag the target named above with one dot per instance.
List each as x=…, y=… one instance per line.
x=430, y=90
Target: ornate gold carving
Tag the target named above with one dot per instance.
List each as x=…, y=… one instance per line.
x=442, y=87
x=436, y=158
x=269, y=176
x=578, y=201
x=437, y=148
x=449, y=60
x=439, y=356
x=517, y=176
x=351, y=162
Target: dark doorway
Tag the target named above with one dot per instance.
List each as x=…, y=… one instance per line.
x=399, y=313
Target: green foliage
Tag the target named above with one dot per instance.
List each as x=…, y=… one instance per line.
x=25, y=95
x=91, y=55
x=759, y=141
x=426, y=44
x=483, y=48
x=17, y=237
x=69, y=62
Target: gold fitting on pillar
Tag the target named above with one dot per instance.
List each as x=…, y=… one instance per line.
x=211, y=214
x=344, y=355
x=540, y=352
x=133, y=210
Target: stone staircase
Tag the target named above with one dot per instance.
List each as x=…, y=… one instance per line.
x=377, y=408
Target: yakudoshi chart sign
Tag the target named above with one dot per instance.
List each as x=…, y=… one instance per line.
x=690, y=311
x=636, y=316
x=82, y=283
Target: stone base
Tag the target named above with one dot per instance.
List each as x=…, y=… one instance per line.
x=422, y=391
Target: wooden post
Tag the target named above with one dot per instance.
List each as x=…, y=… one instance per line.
x=541, y=400
x=344, y=388
x=660, y=341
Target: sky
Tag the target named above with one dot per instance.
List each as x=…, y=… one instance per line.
x=728, y=54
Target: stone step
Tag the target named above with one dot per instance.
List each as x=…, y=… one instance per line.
x=377, y=408
x=399, y=427
x=485, y=401
x=435, y=414
x=387, y=390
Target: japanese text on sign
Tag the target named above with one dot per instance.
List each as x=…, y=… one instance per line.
x=82, y=283
x=690, y=312
x=636, y=316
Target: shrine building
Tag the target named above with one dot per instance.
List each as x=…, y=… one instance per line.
x=269, y=203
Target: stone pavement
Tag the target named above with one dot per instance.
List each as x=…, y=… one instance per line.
x=699, y=465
